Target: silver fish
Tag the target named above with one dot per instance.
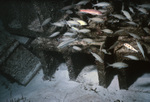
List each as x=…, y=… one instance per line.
x=59, y=24
x=67, y=7
x=141, y=49
x=54, y=34
x=69, y=34
x=126, y=13
x=118, y=65
x=74, y=29
x=101, y=4
x=77, y=48
x=84, y=31
x=69, y=12
x=145, y=6
x=132, y=23
x=81, y=22
x=147, y=30
x=97, y=20
x=105, y=52
x=135, y=36
x=108, y=31
x=131, y=9
x=144, y=11
x=88, y=40
x=118, y=31
x=97, y=57
x=115, y=44
x=113, y=21
x=46, y=21
x=83, y=2
x=65, y=43
x=118, y=16
x=131, y=57
x=72, y=23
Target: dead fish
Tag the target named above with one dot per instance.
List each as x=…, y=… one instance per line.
x=145, y=6
x=131, y=57
x=97, y=57
x=90, y=11
x=131, y=10
x=65, y=43
x=130, y=47
x=118, y=65
x=96, y=20
x=101, y=4
x=144, y=11
x=81, y=22
x=108, y=31
x=141, y=49
x=126, y=13
x=84, y=31
x=76, y=48
x=132, y=23
x=118, y=16
x=54, y=34
x=135, y=36
x=106, y=52
x=46, y=21
x=147, y=30
x=83, y=2
x=69, y=34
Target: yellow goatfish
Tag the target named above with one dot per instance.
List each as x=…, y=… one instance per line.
x=130, y=47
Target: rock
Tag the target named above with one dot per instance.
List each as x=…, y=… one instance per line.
x=21, y=65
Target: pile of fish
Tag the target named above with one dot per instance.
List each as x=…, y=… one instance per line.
x=85, y=24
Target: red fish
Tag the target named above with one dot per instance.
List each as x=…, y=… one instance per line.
x=91, y=11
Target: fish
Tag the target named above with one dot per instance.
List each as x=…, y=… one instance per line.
x=135, y=36
x=72, y=23
x=97, y=57
x=74, y=29
x=90, y=11
x=115, y=44
x=132, y=23
x=118, y=16
x=96, y=19
x=69, y=34
x=65, y=43
x=54, y=34
x=46, y=21
x=141, y=48
x=101, y=4
x=84, y=31
x=108, y=31
x=118, y=65
x=144, y=11
x=127, y=14
x=147, y=30
x=113, y=21
x=145, y=6
x=67, y=7
x=131, y=57
x=69, y=12
x=105, y=52
x=119, y=31
x=76, y=48
x=59, y=24
x=81, y=22
x=88, y=40
x=83, y=2
x=130, y=47
x=131, y=10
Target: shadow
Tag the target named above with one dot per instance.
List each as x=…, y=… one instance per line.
x=80, y=60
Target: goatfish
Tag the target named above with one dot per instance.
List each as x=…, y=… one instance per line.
x=141, y=49
x=90, y=11
x=130, y=47
x=118, y=65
